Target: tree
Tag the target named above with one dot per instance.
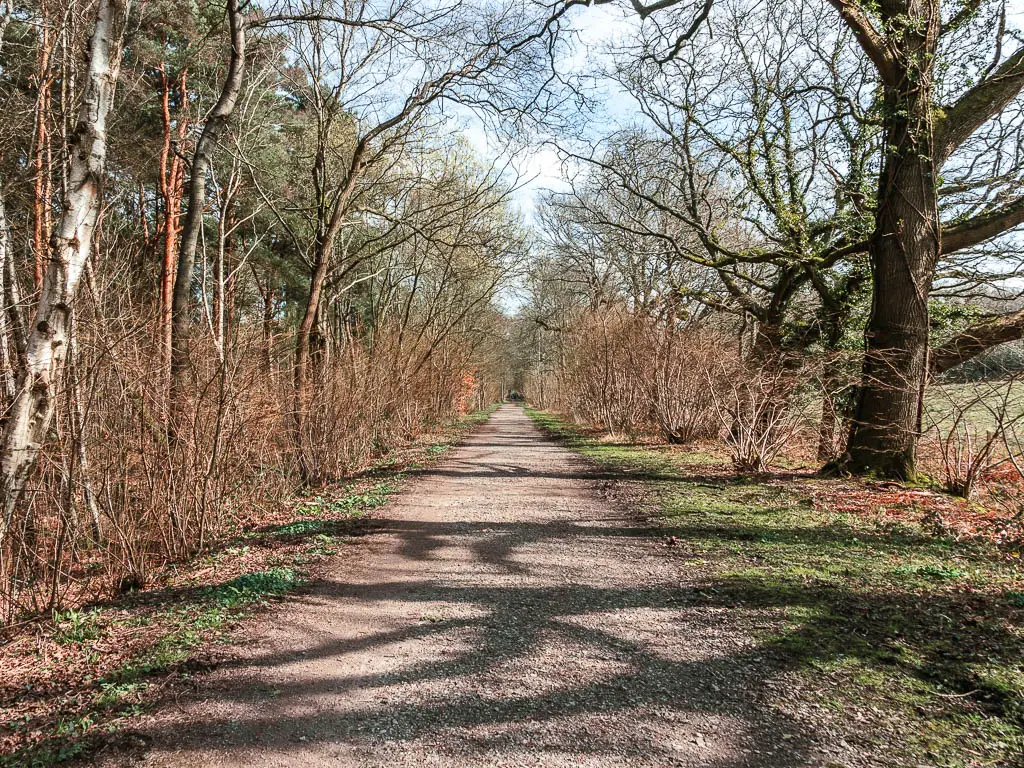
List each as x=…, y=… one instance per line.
x=909, y=44
x=350, y=82
x=201, y=159
x=934, y=176
x=30, y=414
x=752, y=167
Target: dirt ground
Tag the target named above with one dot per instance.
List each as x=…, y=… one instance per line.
x=507, y=613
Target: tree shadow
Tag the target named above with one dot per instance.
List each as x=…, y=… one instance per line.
x=515, y=624
x=944, y=640
x=708, y=663
x=938, y=641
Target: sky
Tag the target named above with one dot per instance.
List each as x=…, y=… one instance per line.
x=597, y=27
x=538, y=165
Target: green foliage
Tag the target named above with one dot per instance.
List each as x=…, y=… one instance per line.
x=251, y=587
x=351, y=504
x=76, y=627
x=931, y=571
x=950, y=318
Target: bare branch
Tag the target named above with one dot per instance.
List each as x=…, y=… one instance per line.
x=870, y=40
x=976, y=107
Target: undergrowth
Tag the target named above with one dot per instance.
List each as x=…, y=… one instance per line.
x=910, y=640
x=64, y=692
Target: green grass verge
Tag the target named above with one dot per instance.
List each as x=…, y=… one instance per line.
x=919, y=637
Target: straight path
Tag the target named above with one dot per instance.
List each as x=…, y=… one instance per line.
x=507, y=614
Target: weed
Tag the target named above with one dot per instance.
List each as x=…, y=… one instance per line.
x=251, y=587
x=931, y=571
x=351, y=504
x=76, y=627
x=302, y=528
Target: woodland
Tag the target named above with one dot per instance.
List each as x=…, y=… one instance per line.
x=253, y=249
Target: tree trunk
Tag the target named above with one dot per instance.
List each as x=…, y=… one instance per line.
x=268, y=329
x=904, y=251
x=215, y=122
x=323, y=252
x=7, y=360
x=41, y=224
x=171, y=188
x=15, y=316
x=305, y=333
x=47, y=345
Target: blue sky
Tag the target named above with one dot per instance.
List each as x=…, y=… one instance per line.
x=596, y=28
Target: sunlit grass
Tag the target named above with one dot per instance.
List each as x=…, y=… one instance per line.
x=917, y=637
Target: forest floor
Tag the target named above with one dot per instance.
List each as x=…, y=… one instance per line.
x=73, y=682
x=581, y=602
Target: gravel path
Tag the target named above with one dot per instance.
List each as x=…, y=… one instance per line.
x=507, y=614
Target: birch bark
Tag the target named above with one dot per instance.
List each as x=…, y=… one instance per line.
x=48, y=342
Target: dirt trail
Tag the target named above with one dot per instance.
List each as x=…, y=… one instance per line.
x=506, y=615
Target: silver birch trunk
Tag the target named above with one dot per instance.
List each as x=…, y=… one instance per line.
x=7, y=361
x=48, y=342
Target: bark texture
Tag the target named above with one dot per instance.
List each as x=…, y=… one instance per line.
x=904, y=251
x=48, y=341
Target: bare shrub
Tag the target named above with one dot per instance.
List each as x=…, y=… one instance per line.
x=761, y=410
x=600, y=380
x=683, y=371
x=144, y=498
x=635, y=374
x=367, y=400
x=975, y=429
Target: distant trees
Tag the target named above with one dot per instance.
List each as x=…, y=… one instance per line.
x=807, y=167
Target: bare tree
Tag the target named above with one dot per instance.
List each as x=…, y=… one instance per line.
x=31, y=412
x=201, y=158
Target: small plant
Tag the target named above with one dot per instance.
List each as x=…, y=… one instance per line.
x=251, y=587
x=931, y=571
x=75, y=627
x=112, y=693
x=1016, y=599
x=352, y=504
x=301, y=528
x=976, y=433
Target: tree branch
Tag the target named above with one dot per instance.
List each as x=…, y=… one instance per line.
x=978, y=105
x=977, y=339
x=872, y=43
x=967, y=10
x=984, y=226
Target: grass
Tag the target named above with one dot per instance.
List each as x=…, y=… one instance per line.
x=188, y=622
x=983, y=405
x=913, y=642
x=352, y=503
x=74, y=699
